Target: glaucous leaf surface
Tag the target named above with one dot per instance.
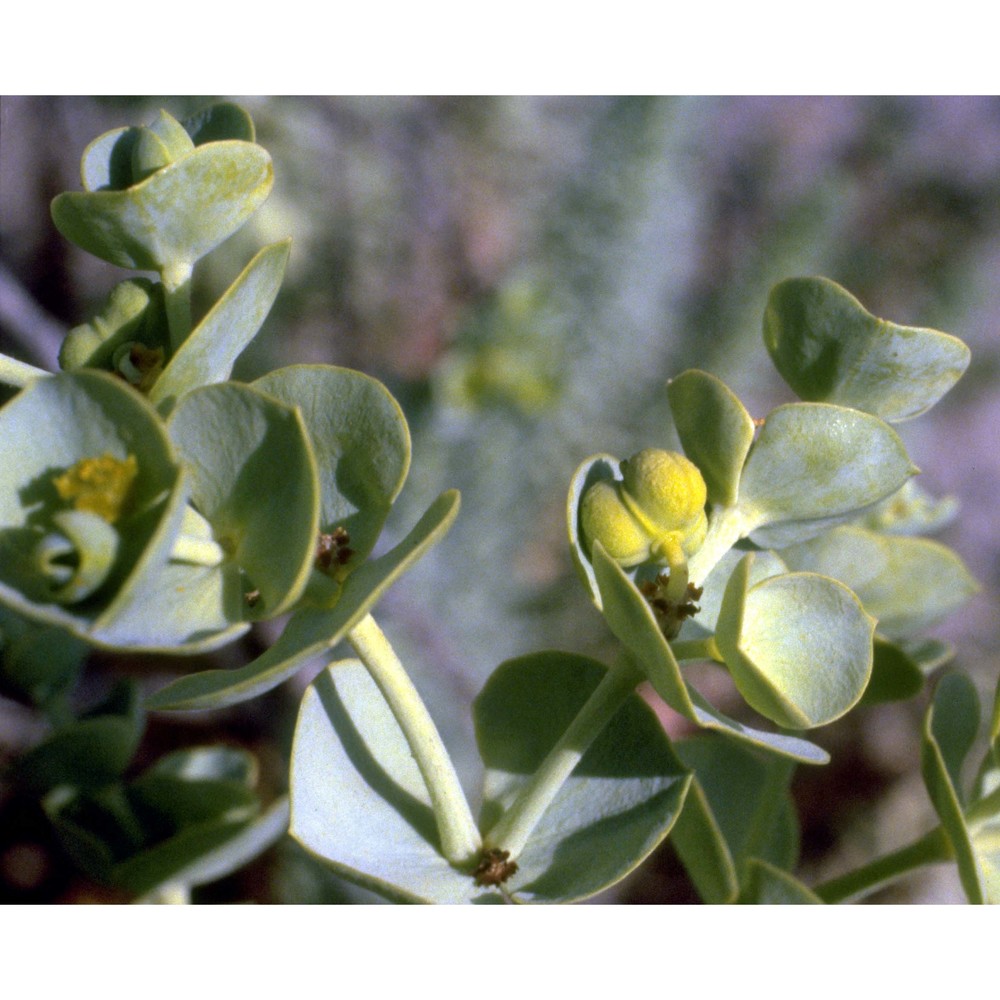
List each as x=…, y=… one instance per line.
x=895, y=675
x=37, y=662
x=631, y=619
x=911, y=510
x=205, y=854
x=90, y=751
x=738, y=808
x=715, y=430
x=361, y=442
x=173, y=217
x=798, y=645
x=311, y=632
x=218, y=122
x=358, y=801
x=211, y=349
x=134, y=311
x=767, y=885
x=813, y=465
x=908, y=584
x=253, y=478
x=829, y=348
x=621, y=799
x=950, y=727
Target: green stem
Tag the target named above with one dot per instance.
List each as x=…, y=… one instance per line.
x=725, y=528
x=929, y=849
x=697, y=649
x=18, y=373
x=176, y=281
x=514, y=828
x=670, y=549
x=460, y=840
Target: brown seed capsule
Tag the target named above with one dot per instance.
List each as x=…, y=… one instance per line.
x=494, y=868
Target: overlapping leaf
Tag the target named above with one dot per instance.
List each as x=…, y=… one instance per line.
x=798, y=645
x=631, y=619
x=908, y=584
x=829, y=348
x=311, y=631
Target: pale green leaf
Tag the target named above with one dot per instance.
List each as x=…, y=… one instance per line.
x=715, y=430
x=829, y=348
x=310, y=631
x=209, y=352
x=814, y=465
x=798, y=645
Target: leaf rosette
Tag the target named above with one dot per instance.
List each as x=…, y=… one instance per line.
x=161, y=197
x=88, y=513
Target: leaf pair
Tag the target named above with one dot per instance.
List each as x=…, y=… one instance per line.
x=255, y=474
x=359, y=802
x=160, y=198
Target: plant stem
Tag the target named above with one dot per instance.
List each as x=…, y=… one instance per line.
x=176, y=281
x=725, y=528
x=929, y=849
x=514, y=828
x=18, y=373
x=460, y=840
x=697, y=649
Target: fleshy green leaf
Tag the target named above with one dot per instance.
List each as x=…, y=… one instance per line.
x=310, y=631
x=218, y=122
x=597, y=468
x=173, y=135
x=359, y=803
x=209, y=352
x=798, y=645
x=206, y=853
x=618, y=804
x=91, y=751
x=196, y=786
x=175, y=606
x=173, y=217
x=907, y=583
x=829, y=348
x=254, y=479
x=361, y=442
x=738, y=807
x=814, y=465
x=927, y=654
x=106, y=164
x=134, y=312
x=164, y=862
x=950, y=727
x=911, y=510
x=631, y=619
x=770, y=886
x=358, y=800
x=37, y=662
x=765, y=564
x=715, y=430
x=895, y=675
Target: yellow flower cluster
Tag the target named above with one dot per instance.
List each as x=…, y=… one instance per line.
x=658, y=506
x=100, y=486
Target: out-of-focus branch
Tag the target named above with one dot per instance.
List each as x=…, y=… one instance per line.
x=27, y=324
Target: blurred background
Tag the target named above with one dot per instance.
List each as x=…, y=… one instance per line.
x=525, y=274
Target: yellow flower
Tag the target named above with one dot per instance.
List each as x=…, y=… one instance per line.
x=657, y=509
x=99, y=486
